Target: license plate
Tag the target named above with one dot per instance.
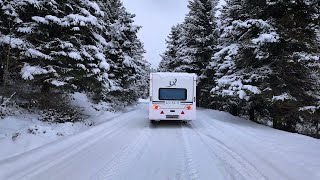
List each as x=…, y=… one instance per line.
x=172, y=102
x=172, y=116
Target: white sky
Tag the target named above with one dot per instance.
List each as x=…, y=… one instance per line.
x=157, y=17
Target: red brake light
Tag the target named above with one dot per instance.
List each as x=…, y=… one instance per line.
x=182, y=112
x=156, y=107
x=189, y=107
x=162, y=112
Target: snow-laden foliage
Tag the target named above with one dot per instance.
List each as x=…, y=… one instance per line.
x=238, y=37
x=265, y=69
x=262, y=61
x=73, y=45
x=7, y=106
x=190, y=44
x=170, y=61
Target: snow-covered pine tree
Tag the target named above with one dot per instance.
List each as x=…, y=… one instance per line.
x=10, y=43
x=198, y=36
x=190, y=44
x=258, y=74
x=170, y=61
x=129, y=69
x=234, y=73
x=61, y=43
x=296, y=68
x=72, y=45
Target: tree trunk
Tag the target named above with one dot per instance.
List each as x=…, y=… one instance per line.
x=251, y=114
x=318, y=130
x=7, y=63
x=6, y=68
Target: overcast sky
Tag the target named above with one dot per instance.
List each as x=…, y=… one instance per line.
x=157, y=17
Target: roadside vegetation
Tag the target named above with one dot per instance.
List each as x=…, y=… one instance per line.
x=255, y=59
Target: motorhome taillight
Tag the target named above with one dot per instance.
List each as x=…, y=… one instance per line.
x=182, y=112
x=162, y=112
x=189, y=107
x=156, y=107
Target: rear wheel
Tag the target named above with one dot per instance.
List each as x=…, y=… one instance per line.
x=184, y=122
x=152, y=121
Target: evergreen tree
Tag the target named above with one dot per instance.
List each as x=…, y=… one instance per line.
x=190, y=44
x=73, y=45
x=128, y=67
x=296, y=68
x=60, y=43
x=261, y=69
x=198, y=36
x=170, y=60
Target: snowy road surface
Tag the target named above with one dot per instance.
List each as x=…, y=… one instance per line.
x=216, y=146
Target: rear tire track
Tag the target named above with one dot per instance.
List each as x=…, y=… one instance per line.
x=231, y=159
x=213, y=126
x=121, y=161
x=72, y=149
x=189, y=169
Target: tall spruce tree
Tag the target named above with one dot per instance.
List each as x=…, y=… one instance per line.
x=128, y=66
x=198, y=36
x=73, y=45
x=190, y=44
x=60, y=43
x=170, y=60
x=296, y=69
x=265, y=67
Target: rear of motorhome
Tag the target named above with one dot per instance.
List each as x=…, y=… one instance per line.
x=172, y=96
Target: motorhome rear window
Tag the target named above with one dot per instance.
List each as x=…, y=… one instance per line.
x=172, y=94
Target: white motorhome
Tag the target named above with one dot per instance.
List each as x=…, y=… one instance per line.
x=172, y=96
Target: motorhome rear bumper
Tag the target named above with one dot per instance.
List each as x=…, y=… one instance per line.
x=172, y=114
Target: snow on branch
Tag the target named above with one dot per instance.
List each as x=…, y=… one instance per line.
x=266, y=38
x=283, y=97
x=28, y=72
x=7, y=100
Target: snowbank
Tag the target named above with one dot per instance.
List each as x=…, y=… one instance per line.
x=24, y=132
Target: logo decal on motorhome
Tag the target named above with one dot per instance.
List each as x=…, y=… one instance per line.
x=173, y=83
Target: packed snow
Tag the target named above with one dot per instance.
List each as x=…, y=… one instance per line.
x=217, y=145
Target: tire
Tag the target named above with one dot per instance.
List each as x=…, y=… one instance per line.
x=152, y=121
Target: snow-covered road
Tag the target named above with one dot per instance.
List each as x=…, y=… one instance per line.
x=216, y=146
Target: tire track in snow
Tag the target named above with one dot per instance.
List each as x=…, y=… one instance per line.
x=94, y=145
x=163, y=157
x=234, y=163
x=189, y=169
x=74, y=148
x=181, y=168
x=121, y=161
x=249, y=136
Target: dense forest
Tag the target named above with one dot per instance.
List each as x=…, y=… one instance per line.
x=258, y=59
x=52, y=48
